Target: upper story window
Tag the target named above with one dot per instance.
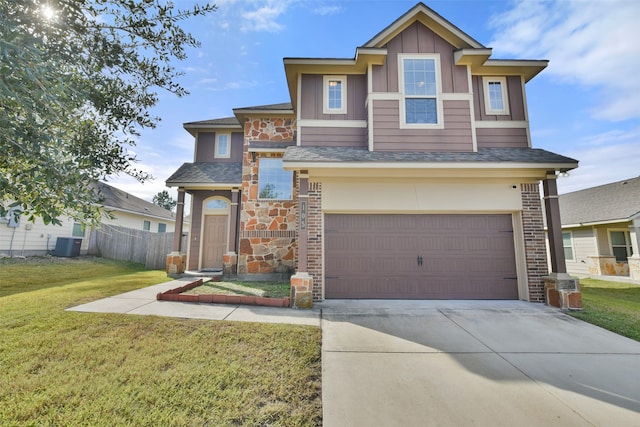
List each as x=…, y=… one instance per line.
x=420, y=86
x=223, y=145
x=335, y=95
x=621, y=245
x=495, y=95
x=273, y=181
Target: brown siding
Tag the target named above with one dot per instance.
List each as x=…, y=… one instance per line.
x=502, y=138
x=456, y=136
x=312, y=98
x=195, y=233
x=419, y=39
x=206, y=143
x=516, y=100
x=333, y=137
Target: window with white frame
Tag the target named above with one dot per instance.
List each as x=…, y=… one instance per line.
x=567, y=245
x=223, y=145
x=420, y=87
x=620, y=245
x=335, y=95
x=162, y=227
x=274, y=183
x=146, y=225
x=496, y=101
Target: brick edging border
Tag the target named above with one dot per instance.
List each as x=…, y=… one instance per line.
x=175, y=294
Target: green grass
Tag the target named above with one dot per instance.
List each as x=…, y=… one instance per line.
x=263, y=289
x=79, y=369
x=611, y=305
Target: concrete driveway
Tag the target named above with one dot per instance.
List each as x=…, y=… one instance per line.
x=461, y=363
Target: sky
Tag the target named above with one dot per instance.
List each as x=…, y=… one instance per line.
x=584, y=105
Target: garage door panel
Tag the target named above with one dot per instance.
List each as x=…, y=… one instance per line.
x=378, y=256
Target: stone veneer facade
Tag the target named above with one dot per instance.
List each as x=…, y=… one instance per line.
x=534, y=241
x=267, y=227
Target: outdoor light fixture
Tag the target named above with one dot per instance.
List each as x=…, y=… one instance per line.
x=253, y=156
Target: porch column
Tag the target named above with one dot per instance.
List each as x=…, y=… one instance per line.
x=561, y=290
x=554, y=225
x=230, y=259
x=176, y=260
x=634, y=260
x=302, y=282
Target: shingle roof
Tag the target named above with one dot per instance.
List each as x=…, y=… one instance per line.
x=356, y=154
x=117, y=199
x=609, y=202
x=281, y=106
x=223, y=121
x=207, y=173
x=270, y=144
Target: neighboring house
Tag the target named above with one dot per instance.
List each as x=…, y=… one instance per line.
x=25, y=238
x=601, y=230
x=404, y=172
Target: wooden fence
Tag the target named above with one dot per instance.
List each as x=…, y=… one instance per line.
x=128, y=244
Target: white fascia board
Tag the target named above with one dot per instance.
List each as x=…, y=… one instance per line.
x=204, y=186
x=266, y=150
x=591, y=224
x=294, y=165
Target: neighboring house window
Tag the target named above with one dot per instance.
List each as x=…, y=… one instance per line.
x=420, y=86
x=146, y=225
x=567, y=244
x=495, y=95
x=335, y=94
x=78, y=230
x=621, y=245
x=223, y=145
x=162, y=228
x=273, y=181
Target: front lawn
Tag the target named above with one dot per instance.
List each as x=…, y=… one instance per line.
x=612, y=305
x=70, y=368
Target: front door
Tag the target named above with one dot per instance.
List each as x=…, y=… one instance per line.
x=214, y=241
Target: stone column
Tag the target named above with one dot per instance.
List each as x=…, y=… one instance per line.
x=561, y=290
x=176, y=260
x=302, y=282
x=634, y=260
x=230, y=259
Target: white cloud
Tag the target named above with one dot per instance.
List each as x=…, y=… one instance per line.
x=264, y=17
x=327, y=10
x=591, y=43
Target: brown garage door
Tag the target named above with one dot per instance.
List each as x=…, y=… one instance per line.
x=420, y=257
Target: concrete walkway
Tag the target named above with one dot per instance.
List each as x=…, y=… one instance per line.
x=459, y=363
x=143, y=301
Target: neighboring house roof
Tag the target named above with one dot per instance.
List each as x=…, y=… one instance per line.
x=194, y=175
x=115, y=199
x=614, y=202
x=509, y=156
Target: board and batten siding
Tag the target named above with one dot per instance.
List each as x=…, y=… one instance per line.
x=515, y=100
x=419, y=39
x=456, y=135
x=312, y=102
x=206, y=147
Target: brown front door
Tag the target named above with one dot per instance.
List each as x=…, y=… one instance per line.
x=420, y=257
x=214, y=241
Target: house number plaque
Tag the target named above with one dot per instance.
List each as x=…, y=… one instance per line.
x=303, y=215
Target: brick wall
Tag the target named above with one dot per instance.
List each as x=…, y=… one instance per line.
x=314, y=246
x=534, y=241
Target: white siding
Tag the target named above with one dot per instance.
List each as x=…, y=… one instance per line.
x=583, y=247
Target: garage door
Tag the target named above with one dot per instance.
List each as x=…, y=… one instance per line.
x=420, y=257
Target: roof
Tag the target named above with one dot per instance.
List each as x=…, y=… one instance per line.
x=234, y=121
x=197, y=174
x=363, y=155
x=224, y=121
x=115, y=199
x=617, y=201
x=283, y=106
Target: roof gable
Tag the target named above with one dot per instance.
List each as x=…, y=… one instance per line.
x=617, y=201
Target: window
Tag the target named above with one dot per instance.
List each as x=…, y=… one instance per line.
x=78, y=230
x=420, y=86
x=273, y=181
x=146, y=225
x=162, y=228
x=223, y=145
x=567, y=244
x=620, y=245
x=335, y=95
x=216, y=204
x=495, y=95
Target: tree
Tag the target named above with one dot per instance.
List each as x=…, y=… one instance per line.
x=164, y=200
x=77, y=81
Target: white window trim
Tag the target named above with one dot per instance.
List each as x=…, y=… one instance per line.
x=573, y=248
x=627, y=241
x=439, y=105
x=226, y=155
x=505, y=96
x=325, y=95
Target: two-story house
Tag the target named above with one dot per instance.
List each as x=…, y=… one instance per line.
x=404, y=172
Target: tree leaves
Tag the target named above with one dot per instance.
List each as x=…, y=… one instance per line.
x=76, y=90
